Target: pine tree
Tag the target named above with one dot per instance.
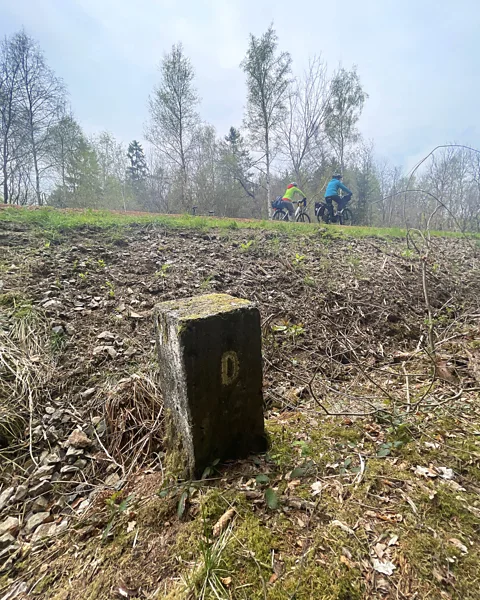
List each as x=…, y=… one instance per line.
x=138, y=170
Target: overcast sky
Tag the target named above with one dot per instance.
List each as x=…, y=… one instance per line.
x=418, y=60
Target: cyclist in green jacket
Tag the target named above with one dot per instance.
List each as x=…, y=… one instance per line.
x=291, y=190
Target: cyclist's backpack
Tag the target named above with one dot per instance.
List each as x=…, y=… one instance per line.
x=277, y=202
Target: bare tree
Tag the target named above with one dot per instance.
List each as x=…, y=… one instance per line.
x=345, y=107
x=267, y=82
x=41, y=97
x=308, y=109
x=9, y=81
x=173, y=113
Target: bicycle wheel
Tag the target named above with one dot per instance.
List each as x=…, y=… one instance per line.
x=322, y=214
x=303, y=218
x=346, y=217
x=280, y=215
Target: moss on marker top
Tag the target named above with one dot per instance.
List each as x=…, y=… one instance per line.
x=200, y=307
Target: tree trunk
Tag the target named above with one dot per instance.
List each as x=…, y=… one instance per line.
x=269, y=191
x=35, y=162
x=37, y=177
x=5, y=175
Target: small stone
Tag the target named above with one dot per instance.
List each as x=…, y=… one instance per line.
x=44, y=487
x=6, y=540
x=110, y=350
x=50, y=410
x=51, y=459
x=53, y=304
x=88, y=393
x=63, y=526
x=5, y=496
x=106, y=335
x=68, y=469
x=70, y=329
x=44, y=472
x=101, y=427
x=52, y=434
x=135, y=315
x=112, y=480
x=78, y=439
x=11, y=525
x=58, y=330
x=20, y=493
x=40, y=504
x=44, y=531
x=59, y=505
x=73, y=452
x=37, y=519
x=58, y=416
x=83, y=506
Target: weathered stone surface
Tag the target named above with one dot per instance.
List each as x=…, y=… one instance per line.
x=6, y=540
x=37, y=519
x=209, y=350
x=5, y=496
x=78, y=439
x=42, y=488
x=44, y=531
x=11, y=526
x=20, y=493
x=43, y=472
x=40, y=504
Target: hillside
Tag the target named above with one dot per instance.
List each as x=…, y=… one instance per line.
x=370, y=487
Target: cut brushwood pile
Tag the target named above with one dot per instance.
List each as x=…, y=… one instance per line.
x=371, y=485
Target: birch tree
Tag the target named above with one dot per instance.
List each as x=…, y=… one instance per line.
x=174, y=119
x=267, y=72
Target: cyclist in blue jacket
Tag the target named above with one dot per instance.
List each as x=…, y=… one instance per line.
x=331, y=193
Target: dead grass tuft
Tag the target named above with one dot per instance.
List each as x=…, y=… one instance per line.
x=135, y=420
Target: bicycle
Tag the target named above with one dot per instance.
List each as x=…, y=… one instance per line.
x=342, y=217
x=300, y=215
x=211, y=213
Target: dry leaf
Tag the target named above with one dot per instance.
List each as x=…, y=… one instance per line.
x=398, y=518
x=293, y=484
x=458, y=544
x=384, y=567
x=382, y=585
x=227, y=581
x=223, y=522
x=278, y=567
x=131, y=526
x=425, y=472
x=342, y=526
x=456, y=487
x=316, y=488
x=346, y=561
x=393, y=541
x=445, y=473
x=379, y=549
x=273, y=578
x=134, y=315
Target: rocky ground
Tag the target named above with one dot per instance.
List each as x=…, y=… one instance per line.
x=370, y=424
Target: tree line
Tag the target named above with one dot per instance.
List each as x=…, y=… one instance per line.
x=298, y=127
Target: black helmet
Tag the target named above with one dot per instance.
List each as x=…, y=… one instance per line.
x=337, y=176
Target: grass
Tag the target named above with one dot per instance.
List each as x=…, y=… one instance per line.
x=55, y=222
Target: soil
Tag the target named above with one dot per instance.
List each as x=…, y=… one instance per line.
x=342, y=320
